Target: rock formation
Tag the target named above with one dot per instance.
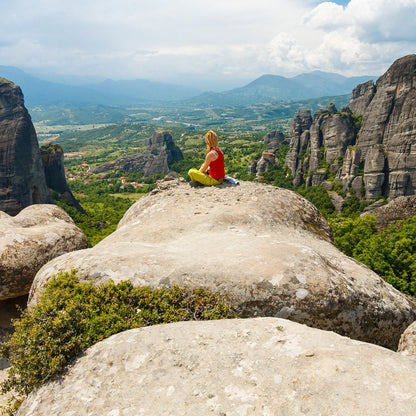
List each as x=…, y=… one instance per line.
x=29, y=240
x=265, y=366
x=377, y=160
x=53, y=162
x=326, y=138
x=361, y=97
x=157, y=158
x=401, y=208
x=266, y=247
x=407, y=344
x=22, y=178
x=272, y=141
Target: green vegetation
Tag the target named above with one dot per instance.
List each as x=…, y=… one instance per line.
x=390, y=253
x=72, y=316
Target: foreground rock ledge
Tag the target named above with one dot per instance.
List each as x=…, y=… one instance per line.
x=268, y=248
x=36, y=235
x=264, y=366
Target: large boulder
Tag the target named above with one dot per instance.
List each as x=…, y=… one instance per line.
x=22, y=178
x=268, y=248
x=29, y=240
x=265, y=366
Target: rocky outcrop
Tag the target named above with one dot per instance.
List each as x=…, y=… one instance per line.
x=326, y=138
x=53, y=163
x=401, y=208
x=299, y=138
x=407, y=344
x=236, y=367
x=268, y=248
x=157, y=158
x=273, y=140
x=29, y=240
x=22, y=178
x=361, y=97
x=374, y=156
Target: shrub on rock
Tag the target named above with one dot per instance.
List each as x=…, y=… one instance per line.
x=73, y=316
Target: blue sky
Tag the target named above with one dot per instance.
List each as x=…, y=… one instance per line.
x=205, y=42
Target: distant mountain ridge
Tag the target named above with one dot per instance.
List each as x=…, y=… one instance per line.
x=270, y=88
x=108, y=92
x=267, y=88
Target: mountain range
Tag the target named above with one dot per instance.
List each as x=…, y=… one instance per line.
x=267, y=88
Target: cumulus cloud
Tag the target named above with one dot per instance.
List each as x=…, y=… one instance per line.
x=165, y=39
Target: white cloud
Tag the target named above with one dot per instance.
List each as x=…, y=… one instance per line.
x=181, y=39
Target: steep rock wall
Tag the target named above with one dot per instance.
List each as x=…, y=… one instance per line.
x=22, y=178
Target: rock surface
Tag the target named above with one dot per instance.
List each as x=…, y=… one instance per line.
x=267, y=247
x=330, y=130
x=22, y=178
x=29, y=240
x=401, y=208
x=159, y=155
x=361, y=97
x=407, y=344
x=53, y=163
x=265, y=366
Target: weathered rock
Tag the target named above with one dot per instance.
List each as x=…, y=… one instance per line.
x=263, y=366
x=385, y=142
x=338, y=133
x=22, y=178
x=361, y=97
x=330, y=130
x=267, y=247
x=272, y=141
x=350, y=165
x=159, y=155
x=400, y=208
x=407, y=344
x=53, y=163
x=266, y=161
x=36, y=235
x=390, y=122
x=299, y=139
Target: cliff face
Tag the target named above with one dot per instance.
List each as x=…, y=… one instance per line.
x=22, y=178
x=53, y=162
x=159, y=155
x=379, y=159
x=387, y=137
x=325, y=139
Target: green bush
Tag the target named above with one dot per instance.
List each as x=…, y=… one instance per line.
x=72, y=316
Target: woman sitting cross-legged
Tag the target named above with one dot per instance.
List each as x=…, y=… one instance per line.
x=212, y=171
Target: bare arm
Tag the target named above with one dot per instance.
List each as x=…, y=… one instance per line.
x=211, y=156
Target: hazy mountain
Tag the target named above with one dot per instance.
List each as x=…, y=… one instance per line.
x=109, y=92
x=269, y=88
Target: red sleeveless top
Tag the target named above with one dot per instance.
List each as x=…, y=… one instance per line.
x=216, y=167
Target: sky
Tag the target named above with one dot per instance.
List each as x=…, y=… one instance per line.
x=205, y=43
